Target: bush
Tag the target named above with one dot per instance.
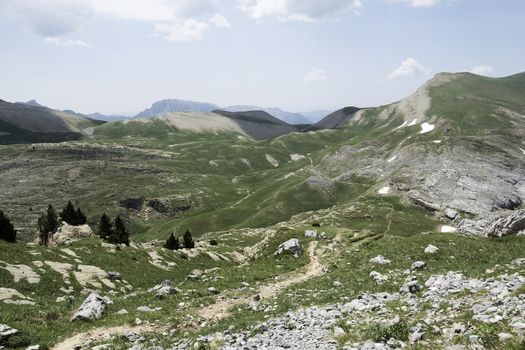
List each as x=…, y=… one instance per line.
x=47, y=225
x=72, y=216
x=214, y=242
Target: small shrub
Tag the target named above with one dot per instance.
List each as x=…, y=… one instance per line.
x=214, y=242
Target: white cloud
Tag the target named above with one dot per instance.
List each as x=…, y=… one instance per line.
x=189, y=30
x=180, y=20
x=60, y=42
x=409, y=68
x=297, y=10
x=422, y=3
x=220, y=22
x=482, y=70
x=316, y=75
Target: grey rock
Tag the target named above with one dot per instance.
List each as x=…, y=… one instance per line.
x=431, y=249
x=148, y=309
x=292, y=246
x=310, y=233
x=378, y=277
x=92, y=308
x=418, y=265
x=114, y=276
x=164, y=289
x=6, y=331
x=450, y=213
x=380, y=260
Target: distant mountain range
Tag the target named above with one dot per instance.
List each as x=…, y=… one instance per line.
x=174, y=105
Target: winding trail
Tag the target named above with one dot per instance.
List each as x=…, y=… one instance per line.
x=97, y=333
x=218, y=310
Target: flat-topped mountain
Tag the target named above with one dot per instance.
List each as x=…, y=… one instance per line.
x=174, y=105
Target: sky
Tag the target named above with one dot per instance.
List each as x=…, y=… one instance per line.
x=120, y=56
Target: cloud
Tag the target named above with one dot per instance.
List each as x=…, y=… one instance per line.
x=180, y=20
x=220, y=22
x=409, y=68
x=422, y=3
x=50, y=18
x=69, y=43
x=189, y=30
x=297, y=10
x=316, y=75
x=482, y=70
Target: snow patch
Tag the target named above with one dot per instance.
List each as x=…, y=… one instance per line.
x=384, y=190
x=426, y=127
x=448, y=229
x=437, y=141
x=413, y=122
x=392, y=159
x=522, y=150
x=402, y=125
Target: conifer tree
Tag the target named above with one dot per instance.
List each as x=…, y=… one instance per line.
x=47, y=225
x=7, y=230
x=120, y=234
x=188, y=240
x=68, y=213
x=172, y=243
x=79, y=218
x=105, y=227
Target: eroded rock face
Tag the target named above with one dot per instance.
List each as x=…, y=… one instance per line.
x=292, y=245
x=92, y=308
x=496, y=224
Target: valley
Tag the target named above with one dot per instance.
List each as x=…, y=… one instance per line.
x=402, y=226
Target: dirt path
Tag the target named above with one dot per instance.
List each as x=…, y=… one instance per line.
x=217, y=310
x=314, y=268
x=97, y=333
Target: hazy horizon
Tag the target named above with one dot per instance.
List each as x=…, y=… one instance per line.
x=115, y=56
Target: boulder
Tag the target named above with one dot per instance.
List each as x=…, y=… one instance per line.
x=431, y=249
x=380, y=260
x=67, y=234
x=511, y=224
x=6, y=331
x=114, y=276
x=196, y=274
x=310, y=233
x=418, y=265
x=213, y=290
x=92, y=308
x=292, y=245
x=164, y=289
x=450, y=213
x=378, y=277
x=411, y=286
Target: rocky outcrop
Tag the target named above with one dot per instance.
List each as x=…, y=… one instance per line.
x=67, y=234
x=92, y=308
x=6, y=332
x=494, y=225
x=290, y=246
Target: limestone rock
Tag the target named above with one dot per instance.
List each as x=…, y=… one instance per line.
x=380, y=260
x=6, y=331
x=68, y=234
x=292, y=245
x=92, y=308
x=431, y=249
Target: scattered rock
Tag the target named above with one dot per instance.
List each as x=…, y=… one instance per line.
x=148, y=309
x=310, y=233
x=92, y=308
x=164, y=289
x=196, y=274
x=339, y=332
x=67, y=234
x=380, y=260
x=450, y=213
x=114, y=276
x=431, y=249
x=213, y=290
x=6, y=332
x=418, y=265
x=378, y=277
x=292, y=245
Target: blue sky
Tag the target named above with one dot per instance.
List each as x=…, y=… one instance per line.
x=116, y=56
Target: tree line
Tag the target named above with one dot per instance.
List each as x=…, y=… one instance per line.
x=113, y=231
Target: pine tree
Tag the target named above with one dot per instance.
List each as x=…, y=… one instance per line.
x=172, y=243
x=105, y=227
x=80, y=218
x=7, y=230
x=68, y=213
x=188, y=240
x=120, y=234
x=47, y=225
x=72, y=216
